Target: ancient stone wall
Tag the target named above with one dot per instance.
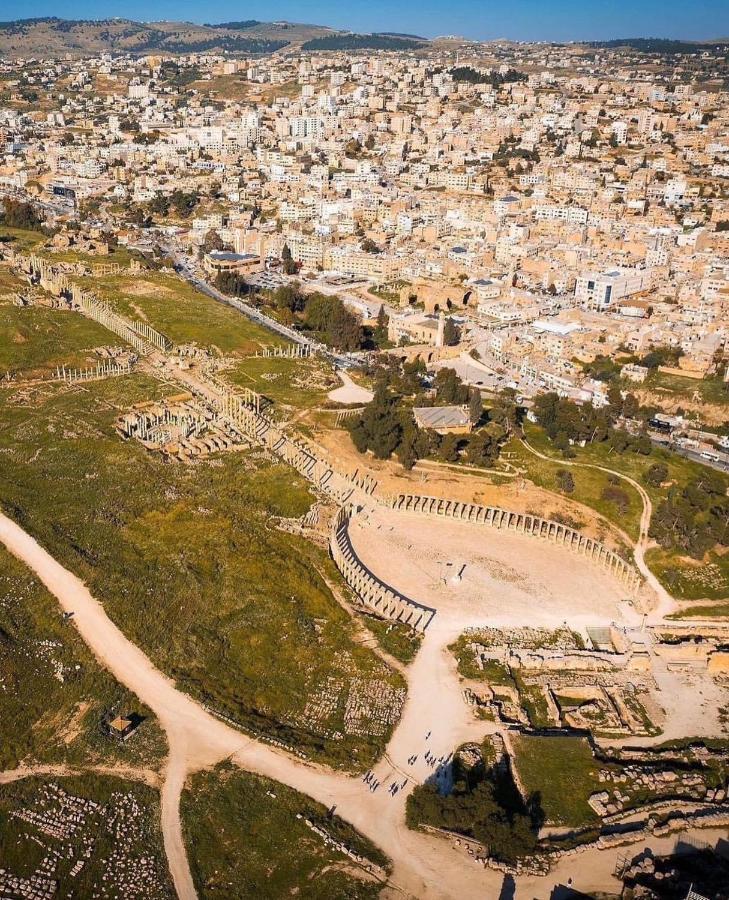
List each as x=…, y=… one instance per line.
x=383, y=600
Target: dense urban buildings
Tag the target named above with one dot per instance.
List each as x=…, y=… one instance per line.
x=378, y=389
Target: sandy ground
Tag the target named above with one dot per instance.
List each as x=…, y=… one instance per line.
x=434, y=718
x=517, y=495
x=349, y=392
x=474, y=574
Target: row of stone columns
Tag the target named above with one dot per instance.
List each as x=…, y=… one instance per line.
x=101, y=370
x=525, y=524
x=286, y=351
x=139, y=334
x=382, y=599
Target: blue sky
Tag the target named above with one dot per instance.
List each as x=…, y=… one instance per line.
x=482, y=19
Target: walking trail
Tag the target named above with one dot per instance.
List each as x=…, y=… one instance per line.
x=434, y=719
x=666, y=603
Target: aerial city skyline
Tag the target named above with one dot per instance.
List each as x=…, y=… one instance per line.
x=364, y=452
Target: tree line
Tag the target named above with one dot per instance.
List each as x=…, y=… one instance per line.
x=692, y=518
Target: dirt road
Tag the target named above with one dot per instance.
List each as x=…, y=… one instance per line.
x=424, y=866
x=666, y=603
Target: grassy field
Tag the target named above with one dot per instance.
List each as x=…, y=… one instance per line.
x=21, y=238
x=188, y=563
x=562, y=771
x=712, y=611
x=589, y=483
x=491, y=671
x=297, y=383
x=121, y=835
x=34, y=340
x=712, y=391
x=398, y=640
x=52, y=689
x=689, y=579
x=183, y=558
x=246, y=837
x=118, y=255
x=175, y=308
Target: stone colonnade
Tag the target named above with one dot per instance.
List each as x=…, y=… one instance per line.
x=140, y=335
x=142, y=424
x=101, y=370
x=382, y=599
x=523, y=523
x=286, y=351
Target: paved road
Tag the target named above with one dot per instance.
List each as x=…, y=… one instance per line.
x=183, y=268
x=693, y=455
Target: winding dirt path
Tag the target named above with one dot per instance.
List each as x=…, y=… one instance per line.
x=424, y=866
x=666, y=603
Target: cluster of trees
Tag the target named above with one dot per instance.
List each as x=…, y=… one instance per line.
x=177, y=76
x=19, y=214
x=362, y=42
x=387, y=424
x=333, y=323
x=484, y=805
x=566, y=422
x=495, y=79
x=232, y=284
x=290, y=267
x=327, y=316
x=508, y=149
x=694, y=518
x=661, y=356
x=605, y=368
x=181, y=202
x=138, y=215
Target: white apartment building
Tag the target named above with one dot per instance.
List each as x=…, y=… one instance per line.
x=600, y=290
x=574, y=215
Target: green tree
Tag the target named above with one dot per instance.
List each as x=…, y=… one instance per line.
x=449, y=389
x=381, y=329
x=212, y=241
x=475, y=406
x=289, y=266
x=289, y=297
x=379, y=428
x=656, y=474
x=565, y=481
x=449, y=448
x=451, y=333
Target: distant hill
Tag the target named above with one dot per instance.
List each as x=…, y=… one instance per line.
x=349, y=41
x=662, y=45
x=52, y=37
